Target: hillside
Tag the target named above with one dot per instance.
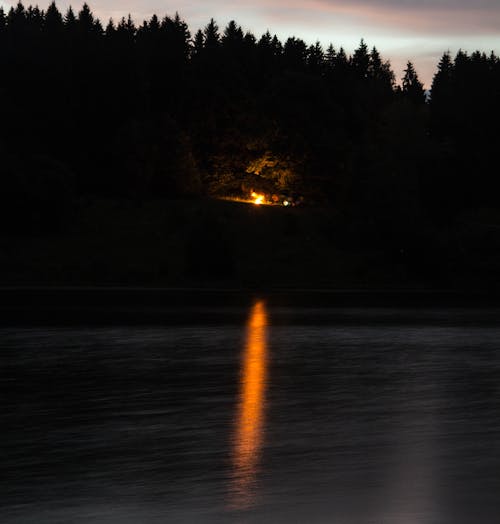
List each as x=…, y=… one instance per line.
x=212, y=243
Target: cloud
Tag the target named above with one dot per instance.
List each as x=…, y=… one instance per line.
x=424, y=16
x=428, y=17
x=418, y=4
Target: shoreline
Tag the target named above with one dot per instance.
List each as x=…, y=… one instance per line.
x=42, y=305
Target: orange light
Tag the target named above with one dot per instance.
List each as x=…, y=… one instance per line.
x=258, y=198
x=250, y=418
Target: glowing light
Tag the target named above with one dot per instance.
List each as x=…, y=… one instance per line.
x=286, y=203
x=258, y=199
x=249, y=428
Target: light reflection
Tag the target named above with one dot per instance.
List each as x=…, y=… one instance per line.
x=249, y=427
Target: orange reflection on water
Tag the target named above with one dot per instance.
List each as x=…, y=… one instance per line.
x=250, y=416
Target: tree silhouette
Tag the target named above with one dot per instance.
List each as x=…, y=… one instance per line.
x=149, y=110
x=315, y=58
x=294, y=54
x=211, y=35
x=360, y=60
x=412, y=88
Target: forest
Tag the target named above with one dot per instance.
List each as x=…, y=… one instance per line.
x=151, y=111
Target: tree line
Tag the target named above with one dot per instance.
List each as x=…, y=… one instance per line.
x=151, y=111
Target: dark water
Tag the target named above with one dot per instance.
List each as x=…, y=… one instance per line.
x=278, y=415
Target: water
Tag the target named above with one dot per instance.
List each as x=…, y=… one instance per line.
x=264, y=415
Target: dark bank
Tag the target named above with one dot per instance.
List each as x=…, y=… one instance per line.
x=112, y=171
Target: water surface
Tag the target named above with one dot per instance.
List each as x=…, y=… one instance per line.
x=261, y=414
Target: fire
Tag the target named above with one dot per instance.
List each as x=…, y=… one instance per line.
x=258, y=198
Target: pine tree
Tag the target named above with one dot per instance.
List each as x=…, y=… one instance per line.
x=35, y=19
x=53, y=21
x=360, y=60
x=265, y=41
x=266, y=54
x=126, y=32
x=330, y=57
x=85, y=19
x=198, y=43
x=154, y=24
x=16, y=20
x=277, y=47
x=443, y=77
x=233, y=35
x=250, y=40
x=110, y=29
x=412, y=88
x=175, y=40
x=442, y=96
x=315, y=58
x=381, y=78
x=70, y=19
x=211, y=35
x=295, y=53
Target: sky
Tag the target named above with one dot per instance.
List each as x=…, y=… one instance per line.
x=402, y=30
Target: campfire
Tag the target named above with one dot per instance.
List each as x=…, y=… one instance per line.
x=258, y=198
x=265, y=199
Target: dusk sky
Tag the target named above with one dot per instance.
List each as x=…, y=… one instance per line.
x=418, y=30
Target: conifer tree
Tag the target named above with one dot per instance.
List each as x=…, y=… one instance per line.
x=211, y=35
x=110, y=29
x=233, y=35
x=198, y=43
x=315, y=58
x=295, y=53
x=412, y=88
x=249, y=39
x=330, y=57
x=70, y=19
x=276, y=46
x=53, y=21
x=441, y=101
x=86, y=21
x=360, y=60
x=265, y=40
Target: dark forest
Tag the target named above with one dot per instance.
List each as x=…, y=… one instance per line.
x=139, y=113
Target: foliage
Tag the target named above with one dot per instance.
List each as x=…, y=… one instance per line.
x=149, y=110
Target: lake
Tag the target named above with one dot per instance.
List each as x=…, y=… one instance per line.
x=254, y=413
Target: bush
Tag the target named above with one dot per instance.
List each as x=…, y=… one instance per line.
x=37, y=196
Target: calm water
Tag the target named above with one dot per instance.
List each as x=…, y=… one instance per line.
x=260, y=414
